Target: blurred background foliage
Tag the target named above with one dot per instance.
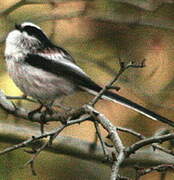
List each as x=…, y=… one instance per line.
x=97, y=33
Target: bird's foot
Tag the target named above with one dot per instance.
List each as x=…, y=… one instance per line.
x=47, y=111
x=44, y=113
x=32, y=113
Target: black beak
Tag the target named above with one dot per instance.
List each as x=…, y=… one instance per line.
x=18, y=27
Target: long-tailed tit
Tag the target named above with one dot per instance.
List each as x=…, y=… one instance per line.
x=46, y=72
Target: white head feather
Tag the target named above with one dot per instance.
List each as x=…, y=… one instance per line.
x=29, y=24
x=18, y=42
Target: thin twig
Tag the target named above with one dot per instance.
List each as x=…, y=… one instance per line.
x=17, y=5
x=140, y=136
x=21, y=98
x=106, y=124
x=136, y=146
x=35, y=138
x=105, y=152
x=159, y=168
x=32, y=160
x=117, y=142
x=123, y=67
x=130, y=131
x=78, y=148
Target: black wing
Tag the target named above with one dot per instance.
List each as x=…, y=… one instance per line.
x=63, y=68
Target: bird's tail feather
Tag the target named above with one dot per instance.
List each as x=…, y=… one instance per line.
x=130, y=104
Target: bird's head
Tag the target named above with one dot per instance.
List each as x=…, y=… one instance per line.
x=28, y=37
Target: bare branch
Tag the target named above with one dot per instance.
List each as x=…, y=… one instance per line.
x=11, y=108
x=101, y=139
x=123, y=67
x=12, y=8
x=27, y=2
x=140, y=136
x=118, y=145
x=108, y=126
x=32, y=160
x=149, y=5
x=38, y=137
x=155, y=139
x=159, y=168
x=79, y=148
x=21, y=98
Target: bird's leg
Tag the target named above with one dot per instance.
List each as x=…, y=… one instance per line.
x=42, y=121
x=31, y=114
x=47, y=110
x=24, y=96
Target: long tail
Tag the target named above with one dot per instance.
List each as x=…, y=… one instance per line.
x=128, y=103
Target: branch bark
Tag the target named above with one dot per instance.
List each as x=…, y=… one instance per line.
x=12, y=134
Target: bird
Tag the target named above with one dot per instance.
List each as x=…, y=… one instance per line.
x=45, y=71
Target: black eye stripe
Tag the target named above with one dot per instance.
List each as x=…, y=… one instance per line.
x=32, y=30
x=38, y=34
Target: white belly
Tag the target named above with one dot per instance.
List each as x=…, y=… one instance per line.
x=37, y=83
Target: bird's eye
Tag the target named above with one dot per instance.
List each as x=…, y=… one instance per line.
x=18, y=27
x=29, y=30
x=37, y=33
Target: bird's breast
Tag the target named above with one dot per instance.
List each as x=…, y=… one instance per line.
x=38, y=83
